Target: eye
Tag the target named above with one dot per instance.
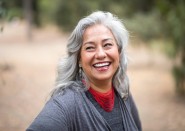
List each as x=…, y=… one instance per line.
x=89, y=48
x=108, y=45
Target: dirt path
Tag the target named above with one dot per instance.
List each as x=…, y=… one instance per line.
x=28, y=71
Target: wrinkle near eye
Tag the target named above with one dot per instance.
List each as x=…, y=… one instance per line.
x=108, y=44
x=89, y=48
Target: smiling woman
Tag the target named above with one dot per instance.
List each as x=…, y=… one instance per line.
x=92, y=88
x=99, y=57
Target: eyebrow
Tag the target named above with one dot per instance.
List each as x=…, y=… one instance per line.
x=90, y=42
x=107, y=39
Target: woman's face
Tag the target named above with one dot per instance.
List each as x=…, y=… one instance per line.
x=99, y=54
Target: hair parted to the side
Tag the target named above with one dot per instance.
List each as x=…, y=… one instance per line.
x=68, y=69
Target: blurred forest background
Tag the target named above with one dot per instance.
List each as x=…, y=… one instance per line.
x=31, y=37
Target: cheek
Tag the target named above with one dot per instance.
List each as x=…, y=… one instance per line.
x=86, y=59
x=82, y=57
x=116, y=57
x=115, y=54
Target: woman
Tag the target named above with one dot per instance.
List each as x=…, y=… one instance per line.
x=92, y=88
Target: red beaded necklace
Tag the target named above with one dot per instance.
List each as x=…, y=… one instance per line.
x=105, y=100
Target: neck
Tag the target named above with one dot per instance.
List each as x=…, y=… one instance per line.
x=105, y=100
x=103, y=87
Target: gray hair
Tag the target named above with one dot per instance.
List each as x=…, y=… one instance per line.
x=68, y=69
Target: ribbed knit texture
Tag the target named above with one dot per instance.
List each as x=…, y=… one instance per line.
x=113, y=118
x=106, y=100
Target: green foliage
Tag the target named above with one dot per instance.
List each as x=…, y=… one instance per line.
x=142, y=6
x=147, y=26
x=169, y=49
x=173, y=14
x=179, y=75
x=2, y=10
x=176, y=19
x=68, y=12
x=13, y=13
x=46, y=9
x=141, y=17
x=2, y=15
x=13, y=9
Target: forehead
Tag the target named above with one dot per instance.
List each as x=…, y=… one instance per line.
x=97, y=31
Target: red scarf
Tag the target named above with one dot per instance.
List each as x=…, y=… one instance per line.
x=105, y=100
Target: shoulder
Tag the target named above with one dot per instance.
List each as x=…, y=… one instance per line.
x=68, y=96
x=58, y=112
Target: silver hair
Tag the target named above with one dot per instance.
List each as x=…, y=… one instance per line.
x=68, y=69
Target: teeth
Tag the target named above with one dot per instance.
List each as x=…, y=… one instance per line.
x=101, y=64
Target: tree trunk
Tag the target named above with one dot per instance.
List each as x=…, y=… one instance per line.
x=28, y=13
x=179, y=74
x=183, y=68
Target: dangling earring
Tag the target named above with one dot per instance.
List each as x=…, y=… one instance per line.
x=81, y=75
x=80, y=71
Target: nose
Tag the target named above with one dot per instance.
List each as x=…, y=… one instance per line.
x=100, y=53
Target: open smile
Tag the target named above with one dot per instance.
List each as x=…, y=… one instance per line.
x=102, y=66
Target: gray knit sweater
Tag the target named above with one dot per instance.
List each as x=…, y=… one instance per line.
x=73, y=111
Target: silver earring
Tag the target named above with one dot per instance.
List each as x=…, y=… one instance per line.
x=80, y=71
